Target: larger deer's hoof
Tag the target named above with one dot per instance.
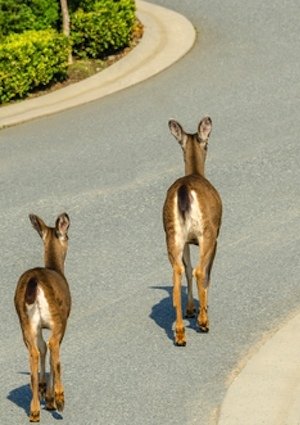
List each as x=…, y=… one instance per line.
x=180, y=343
x=190, y=314
x=42, y=390
x=50, y=404
x=60, y=401
x=203, y=329
x=180, y=340
x=34, y=416
x=203, y=323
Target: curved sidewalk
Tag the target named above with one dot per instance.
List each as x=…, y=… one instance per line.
x=267, y=391
x=167, y=37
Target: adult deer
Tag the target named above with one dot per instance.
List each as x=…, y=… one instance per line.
x=43, y=301
x=192, y=215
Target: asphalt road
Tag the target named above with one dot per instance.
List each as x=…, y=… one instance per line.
x=108, y=164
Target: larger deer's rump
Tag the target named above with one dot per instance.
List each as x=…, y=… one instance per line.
x=194, y=197
x=31, y=290
x=183, y=200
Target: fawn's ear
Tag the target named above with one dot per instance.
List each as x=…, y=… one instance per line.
x=62, y=225
x=38, y=225
x=204, y=128
x=177, y=131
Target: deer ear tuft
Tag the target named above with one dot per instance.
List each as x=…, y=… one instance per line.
x=204, y=128
x=38, y=224
x=176, y=130
x=62, y=224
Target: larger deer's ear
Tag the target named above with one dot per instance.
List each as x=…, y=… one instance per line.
x=177, y=131
x=204, y=128
x=62, y=225
x=38, y=225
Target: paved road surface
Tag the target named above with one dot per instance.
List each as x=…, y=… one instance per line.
x=108, y=165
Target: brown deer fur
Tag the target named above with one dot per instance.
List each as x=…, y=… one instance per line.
x=192, y=215
x=43, y=301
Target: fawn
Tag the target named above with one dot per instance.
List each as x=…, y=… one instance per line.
x=192, y=214
x=43, y=301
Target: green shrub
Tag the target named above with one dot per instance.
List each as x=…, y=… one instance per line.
x=17, y=16
x=105, y=28
x=30, y=60
x=85, y=5
x=90, y=5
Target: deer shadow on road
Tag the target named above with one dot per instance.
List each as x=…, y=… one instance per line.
x=163, y=312
x=21, y=397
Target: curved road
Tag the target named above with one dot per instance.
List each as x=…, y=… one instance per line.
x=108, y=164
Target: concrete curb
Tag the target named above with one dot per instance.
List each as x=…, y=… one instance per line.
x=167, y=37
x=267, y=391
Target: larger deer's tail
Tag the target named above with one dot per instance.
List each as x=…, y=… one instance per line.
x=184, y=201
x=31, y=290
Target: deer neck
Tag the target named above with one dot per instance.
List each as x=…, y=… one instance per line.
x=194, y=159
x=53, y=260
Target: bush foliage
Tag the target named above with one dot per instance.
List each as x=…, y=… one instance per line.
x=31, y=60
x=17, y=16
x=33, y=53
x=102, y=27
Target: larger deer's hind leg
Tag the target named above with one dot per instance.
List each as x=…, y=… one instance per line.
x=54, y=344
x=34, y=415
x=175, y=249
x=178, y=269
x=50, y=403
x=202, y=275
x=190, y=308
x=43, y=351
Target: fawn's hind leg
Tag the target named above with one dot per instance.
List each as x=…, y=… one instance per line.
x=190, y=308
x=202, y=275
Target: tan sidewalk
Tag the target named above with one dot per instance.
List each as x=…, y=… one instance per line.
x=167, y=37
x=267, y=390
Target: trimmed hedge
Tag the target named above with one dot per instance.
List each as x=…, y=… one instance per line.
x=105, y=28
x=33, y=58
x=85, y=5
x=17, y=16
x=30, y=60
